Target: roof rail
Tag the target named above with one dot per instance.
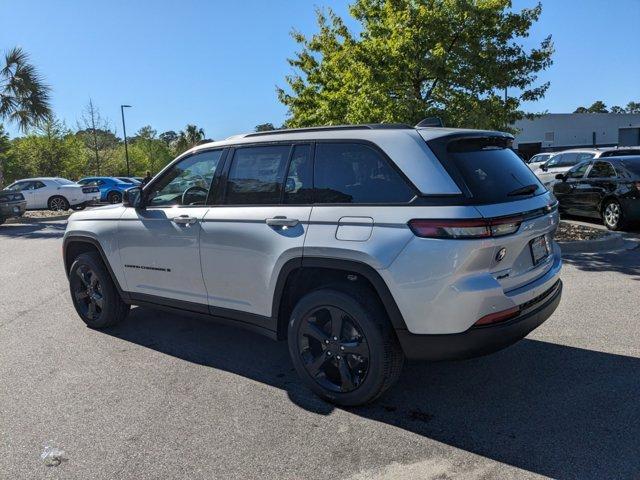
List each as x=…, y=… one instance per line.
x=368, y=126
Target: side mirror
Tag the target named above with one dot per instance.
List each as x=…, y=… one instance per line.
x=561, y=176
x=132, y=197
x=544, y=167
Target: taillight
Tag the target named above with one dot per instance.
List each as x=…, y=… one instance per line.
x=471, y=228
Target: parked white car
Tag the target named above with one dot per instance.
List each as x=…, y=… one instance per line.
x=55, y=193
x=562, y=163
x=537, y=160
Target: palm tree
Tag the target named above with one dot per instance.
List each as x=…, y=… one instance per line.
x=24, y=97
x=189, y=137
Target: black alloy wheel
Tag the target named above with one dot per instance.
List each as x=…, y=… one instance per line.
x=333, y=349
x=114, y=197
x=94, y=293
x=343, y=345
x=88, y=293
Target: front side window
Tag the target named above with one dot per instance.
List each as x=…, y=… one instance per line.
x=564, y=160
x=18, y=186
x=356, y=173
x=256, y=175
x=578, y=171
x=187, y=182
x=602, y=170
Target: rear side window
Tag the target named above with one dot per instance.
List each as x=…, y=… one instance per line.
x=256, y=175
x=491, y=171
x=602, y=170
x=356, y=173
x=298, y=186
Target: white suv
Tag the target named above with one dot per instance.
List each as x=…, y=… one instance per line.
x=360, y=245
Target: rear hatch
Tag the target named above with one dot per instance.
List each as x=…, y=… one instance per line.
x=500, y=186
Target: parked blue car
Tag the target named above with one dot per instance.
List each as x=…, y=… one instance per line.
x=111, y=189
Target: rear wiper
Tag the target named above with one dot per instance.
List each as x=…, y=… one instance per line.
x=526, y=190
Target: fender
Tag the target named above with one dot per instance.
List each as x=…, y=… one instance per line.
x=366, y=271
x=78, y=238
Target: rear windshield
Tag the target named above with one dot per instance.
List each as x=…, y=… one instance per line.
x=490, y=170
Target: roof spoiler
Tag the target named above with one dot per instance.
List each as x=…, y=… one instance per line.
x=430, y=122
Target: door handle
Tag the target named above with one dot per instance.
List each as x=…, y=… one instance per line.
x=184, y=220
x=281, y=221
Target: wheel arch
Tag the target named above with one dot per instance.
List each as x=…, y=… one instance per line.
x=301, y=275
x=74, y=245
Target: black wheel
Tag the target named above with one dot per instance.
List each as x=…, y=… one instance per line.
x=613, y=215
x=114, y=197
x=58, y=203
x=94, y=294
x=343, y=346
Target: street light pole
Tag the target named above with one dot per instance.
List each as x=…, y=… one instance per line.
x=124, y=131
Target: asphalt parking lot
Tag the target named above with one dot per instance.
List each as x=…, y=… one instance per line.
x=163, y=396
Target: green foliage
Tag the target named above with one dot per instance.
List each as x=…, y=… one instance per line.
x=51, y=150
x=599, y=107
x=264, y=127
x=24, y=97
x=191, y=136
x=414, y=59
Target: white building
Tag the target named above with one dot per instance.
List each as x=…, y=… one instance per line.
x=559, y=131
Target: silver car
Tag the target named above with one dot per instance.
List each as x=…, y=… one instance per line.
x=359, y=245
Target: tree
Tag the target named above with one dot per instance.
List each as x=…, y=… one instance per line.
x=189, y=137
x=596, y=107
x=96, y=133
x=617, y=109
x=457, y=59
x=633, y=107
x=24, y=97
x=169, y=137
x=264, y=127
x=149, y=152
x=51, y=150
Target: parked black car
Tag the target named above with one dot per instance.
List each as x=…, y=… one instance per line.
x=602, y=188
x=12, y=204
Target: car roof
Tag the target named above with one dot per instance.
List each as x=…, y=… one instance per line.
x=42, y=178
x=369, y=132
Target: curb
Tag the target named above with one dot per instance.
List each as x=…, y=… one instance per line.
x=611, y=241
x=27, y=220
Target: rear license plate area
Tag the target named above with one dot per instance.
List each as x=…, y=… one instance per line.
x=539, y=249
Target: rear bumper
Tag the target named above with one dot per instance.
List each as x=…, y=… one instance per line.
x=482, y=340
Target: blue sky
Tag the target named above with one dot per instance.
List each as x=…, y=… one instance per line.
x=217, y=63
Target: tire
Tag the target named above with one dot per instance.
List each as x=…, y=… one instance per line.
x=613, y=216
x=58, y=203
x=364, y=361
x=91, y=284
x=114, y=197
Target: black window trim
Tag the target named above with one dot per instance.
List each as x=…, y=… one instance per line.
x=415, y=200
x=179, y=159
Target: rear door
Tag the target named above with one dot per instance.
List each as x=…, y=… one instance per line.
x=569, y=190
x=159, y=244
x=257, y=224
x=601, y=180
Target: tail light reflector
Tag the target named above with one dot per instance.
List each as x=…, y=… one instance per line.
x=465, y=228
x=498, y=316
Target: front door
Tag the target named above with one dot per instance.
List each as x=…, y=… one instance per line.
x=159, y=244
x=258, y=226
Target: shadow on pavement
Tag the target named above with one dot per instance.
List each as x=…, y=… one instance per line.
x=33, y=230
x=627, y=262
x=550, y=409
